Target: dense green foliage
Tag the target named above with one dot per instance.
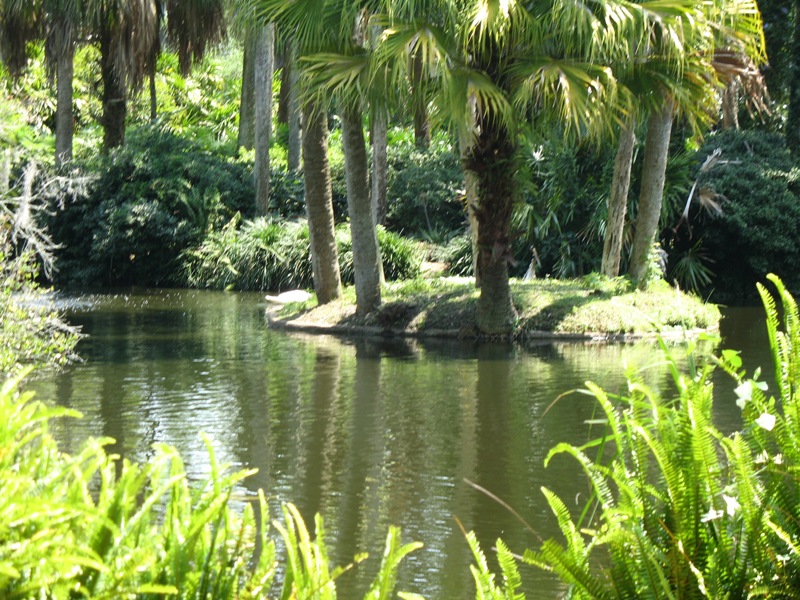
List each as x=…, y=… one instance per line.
x=678, y=508
x=270, y=254
x=32, y=331
x=756, y=188
x=144, y=204
x=93, y=526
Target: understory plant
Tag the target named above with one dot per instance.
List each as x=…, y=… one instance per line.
x=678, y=508
x=92, y=525
x=273, y=254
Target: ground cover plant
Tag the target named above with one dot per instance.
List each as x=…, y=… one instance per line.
x=274, y=254
x=678, y=508
x=592, y=305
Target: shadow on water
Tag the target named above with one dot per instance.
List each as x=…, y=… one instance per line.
x=368, y=432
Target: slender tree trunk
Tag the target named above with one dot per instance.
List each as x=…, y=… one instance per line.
x=366, y=255
x=115, y=97
x=319, y=207
x=491, y=160
x=793, y=116
x=153, y=96
x=285, y=92
x=264, y=64
x=380, y=167
x=654, y=168
x=295, y=126
x=247, y=109
x=64, y=97
x=422, y=127
x=618, y=201
x=730, y=106
x=471, y=201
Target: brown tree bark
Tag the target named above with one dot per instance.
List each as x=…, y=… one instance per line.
x=247, y=109
x=114, y=97
x=319, y=207
x=491, y=159
x=366, y=254
x=65, y=66
x=654, y=168
x=618, y=202
x=264, y=65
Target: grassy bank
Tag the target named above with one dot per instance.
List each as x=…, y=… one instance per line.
x=587, y=307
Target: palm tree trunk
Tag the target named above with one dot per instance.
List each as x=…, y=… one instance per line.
x=285, y=91
x=153, y=96
x=422, y=127
x=64, y=97
x=380, y=167
x=366, y=255
x=295, y=127
x=264, y=64
x=471, y=200
x=618, y=202
x=114, y=98
x=654, y=168
x=491, y=160
x=319, y=207
x=247, y=108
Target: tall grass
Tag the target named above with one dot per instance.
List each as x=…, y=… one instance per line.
x=678, y=509
x=94, y=526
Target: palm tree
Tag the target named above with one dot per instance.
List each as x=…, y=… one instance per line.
x=58, y=22
x=494, y=68
x=692, y=90
x=312, y=30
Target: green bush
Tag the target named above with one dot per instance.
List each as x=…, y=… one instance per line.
x=93, y=526
x=268, y=254
x=144, y=205
x=758, y=190
x=425, y=187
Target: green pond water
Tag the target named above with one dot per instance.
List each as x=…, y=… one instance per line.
x=368, y=432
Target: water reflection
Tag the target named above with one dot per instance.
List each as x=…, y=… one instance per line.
x=369, y=432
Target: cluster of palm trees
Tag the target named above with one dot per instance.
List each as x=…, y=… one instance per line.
x=128, y=34
x=488, y=68
x=493, y=67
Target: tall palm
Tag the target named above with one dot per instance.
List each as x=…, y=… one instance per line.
x=58, y=22
x=733, y=26
x=126, y=31
x=494, y=67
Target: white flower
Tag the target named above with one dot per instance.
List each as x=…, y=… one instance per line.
x=766, y=421
x=731, y=505
x=711, y=515
x=778, y=460
x=762, y=458
x=744, y=393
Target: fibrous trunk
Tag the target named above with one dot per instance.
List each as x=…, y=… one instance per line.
x=491, y=160
x=422, y=128
x=264, y=63
x=319, y=207
x=64, y=96
x=247, y=121
x=295, y=126
x=366, y=256
x=618, y=202
x=115, y=96
x=380, y=167
x=654, y=168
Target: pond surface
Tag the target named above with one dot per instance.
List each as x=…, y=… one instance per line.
x=367, y=432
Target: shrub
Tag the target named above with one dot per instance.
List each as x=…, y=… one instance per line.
x=92, y=526
x=267, y=254
x=757, y=190
x=32, y=331
x=425, y=187
x=145, y=204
